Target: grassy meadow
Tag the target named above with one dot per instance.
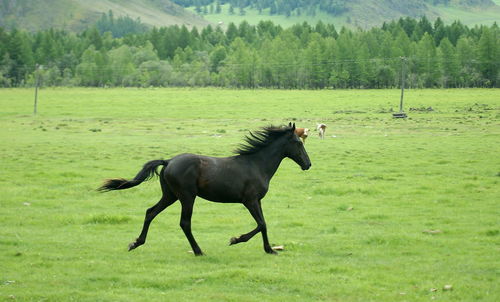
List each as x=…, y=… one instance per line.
x=358, y=16
x=252, y=16
x=391, y=209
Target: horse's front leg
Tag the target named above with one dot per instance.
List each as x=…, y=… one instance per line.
x=255, y=209
x=244, y=237
x=185, y=223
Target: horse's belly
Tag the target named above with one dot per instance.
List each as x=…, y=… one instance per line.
x=226, y=196
x=232, y=192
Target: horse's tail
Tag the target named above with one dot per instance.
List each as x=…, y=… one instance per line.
x=148, y=171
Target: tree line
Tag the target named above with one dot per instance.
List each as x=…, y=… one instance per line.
x=302, y=56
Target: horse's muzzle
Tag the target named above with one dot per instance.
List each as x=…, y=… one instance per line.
x=306, y=166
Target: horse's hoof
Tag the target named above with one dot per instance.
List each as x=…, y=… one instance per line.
x=137, y=243
x=271, y=252
x=233, y=240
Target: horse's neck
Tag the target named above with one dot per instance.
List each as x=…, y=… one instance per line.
x=269, y=159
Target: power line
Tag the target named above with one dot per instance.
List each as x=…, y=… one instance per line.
x=394, y=60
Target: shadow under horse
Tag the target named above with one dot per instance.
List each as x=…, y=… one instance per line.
x=243, y=178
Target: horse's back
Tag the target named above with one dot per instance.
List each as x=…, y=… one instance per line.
x=182, y=169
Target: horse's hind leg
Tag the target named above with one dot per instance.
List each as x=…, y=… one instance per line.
x=166, y=200
x=150, y=215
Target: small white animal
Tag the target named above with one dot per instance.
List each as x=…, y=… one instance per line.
x=321, y=130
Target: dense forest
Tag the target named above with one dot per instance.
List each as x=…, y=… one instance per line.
x=303, y=56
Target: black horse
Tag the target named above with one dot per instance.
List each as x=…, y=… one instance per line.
x=243, y=178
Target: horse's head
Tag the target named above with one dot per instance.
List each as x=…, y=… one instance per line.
x=295, y=150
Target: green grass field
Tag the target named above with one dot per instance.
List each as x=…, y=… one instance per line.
x=469, y=17
x=252, y=16
x=391, y=210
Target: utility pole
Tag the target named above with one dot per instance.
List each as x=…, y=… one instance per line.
x=37, y=83
x=401, y=113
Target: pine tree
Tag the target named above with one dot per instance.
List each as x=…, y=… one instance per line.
x=280, y=65
x=217, y=56
x=439, y=31
x=449, y=63
x=455, y=31
x=121, y=65
x=94, y=37
x=488, y=55
x=427, y=61
x=365, y=65
x=345, y=67
x=240, y=67
x=247, y=32
x=184, y=39
x=21, y=55
x=4, y=37
x=403, y=42
x=231, y=32
x=465, y=56
x=314, y=64
x=217, y=7
x=87, y=70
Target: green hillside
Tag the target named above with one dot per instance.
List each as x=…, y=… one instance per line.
x=356, y=13
x=78, y=14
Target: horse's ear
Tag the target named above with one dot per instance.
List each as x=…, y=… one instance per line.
x=293, y=127
x=290, y=124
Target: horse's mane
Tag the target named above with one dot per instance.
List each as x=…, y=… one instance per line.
x=257, y=140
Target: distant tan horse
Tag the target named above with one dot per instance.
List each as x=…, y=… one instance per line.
x=321, y=130
x=303, y=133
